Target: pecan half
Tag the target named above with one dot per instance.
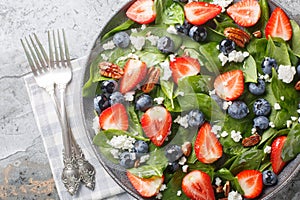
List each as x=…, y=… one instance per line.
x=297, y=86
x=251, y=141
x=110, y=70
x=226, y=188
x=257, y=34
x=152, y=78
x=237, y=35
x=186, y=148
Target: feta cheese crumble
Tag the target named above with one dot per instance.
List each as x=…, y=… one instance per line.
x=144, y=158
x=286, y=73
x=216, y=129
x=163, y=187
x=129, y=96
x=236, y=135
x=115, y=153
x=226, y=104
x=234, y=56
x=138, y=42
x=182, y=121
x=271, y=124
x=293, y=118
x=218, y=181
x=104, y=57
x=234, y=195
x=185, y=168
x=122, y=142
x=282, y=98
x=224, y=134
x=152, y=39
x=179, y=193
x=277, y=106
x=182, y=160
x=108, y=45
x=159, y=196
x=159, y=100
x=167, y=73
x=172, y=30
x=267, y=149
x=288, y=123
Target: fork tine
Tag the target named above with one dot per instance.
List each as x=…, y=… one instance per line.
x=30, y=61
x=33, y=56
x=66, y=48
x=39, y=56
x=61, y=51
x=50, y=51
x=55, y=48
x=42, y=49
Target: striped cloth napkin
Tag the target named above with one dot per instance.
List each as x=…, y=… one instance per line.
x=48, y=124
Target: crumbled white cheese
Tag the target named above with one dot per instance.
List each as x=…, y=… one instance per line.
x=115, y=153
x=218, y=181
x=108, y=45
x=144, y=158
x=299, y=120
x=152, y=39
x=271, y=124
x=234, y=56
x=253, y=130
x=267, y=149
x=172, y=57
x=159, y=100
x=223, y=58
x=212, y=92
x=167, y=73
x=234, y=195
x=286, y=73
x=293, y=118
x=134, y=30
x=216, y=129
x=226, y=104
x=224, y=134
x=138, y=42
x=163, y=187
x=172, y=30
x=180, y=93
x=123, y=142
x=298, y=111
x=128, y=56
x=159, y=196
x=182, y=160
x=160, y=137
x=129, y=96
x=104, y=57
x=185, y=168
x=288, y=123
x=182, y=121
x=96, y=126
x=223, y=3
x=236, y=135
x=143, y=26
x=277, y=106
x=179, y=193
x=282, y=98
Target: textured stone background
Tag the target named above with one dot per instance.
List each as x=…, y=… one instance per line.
x=24, y=168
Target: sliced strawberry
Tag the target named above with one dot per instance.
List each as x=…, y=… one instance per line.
x=207, y=147
x=245, y=13
x=142, y=11
x=279, y=25
x=197, y=185
x=184, y=66
x=276, y=150
x=251, y=181
x=114, y=117
x=230, y=85
x=156, y=123
x=198, y=13
x=134, y=73
x=147, y=187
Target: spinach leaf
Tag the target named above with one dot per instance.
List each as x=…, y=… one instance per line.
x=195, y=84
x=291, y=147
x=125, y=26
x=249, y=69
x=134, y=124
x=173, y=14
x=225, y=174
x=209, y=57
x=295, y=38
x=257, y=49
x=160, y=6
x=168, y=89
x=173, y=186
x=277, y=49
x=213, y=35
x=264, y=14
x=151, y=58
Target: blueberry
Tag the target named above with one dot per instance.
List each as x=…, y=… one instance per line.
x=166, y=45
x=141, y=146
x=127, y=159
x=143, y=102
x=196, y=118
x=261, y=122
x=116, y=97
x=238, y=110
x=102, y=102
x=257, y=88
x=173, y=167
x=261, y=107
x=184, y=28
x=173, y=152
x=121, y=39
x=298, y=70
x=269, y=178
x=226, y=46
x=267, y=65
x=198, y=33
x=109, y=86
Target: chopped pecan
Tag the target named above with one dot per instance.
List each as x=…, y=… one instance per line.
x=110, y=70
x=297, y=86
x=186, y=148
x=152, y=78
x=219, y=189
x=251, y=141
x=257, y=34
x=237, y=35
x=226, y=188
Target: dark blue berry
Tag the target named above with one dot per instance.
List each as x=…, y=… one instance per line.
x=173, y=167
x=298, y=71
x=195, y=118
x=141, y=146
x=127, y=159
x=261, y=122
x=173, y=152
x=261, y=107
x=238, y=110
x=102, y=102
x=269, y=178
x=184, y=28
x=257, y=88
x=143, y=102
x=109, y=86
x=198, y=33
x=226, y=46
x=116, y=97
x=267, y=65
x=121, y=39
x=166, y=45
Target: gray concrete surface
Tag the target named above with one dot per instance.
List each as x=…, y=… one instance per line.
x=24, y=168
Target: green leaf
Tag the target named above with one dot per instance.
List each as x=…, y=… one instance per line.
x=151, y=58
x=225, y=174
x=257, y=48
x=125, y=26
x=277, y=49
x=291, y=146
x=160, y=6
x=249, y=70
x=134, y=123
x=209, y=57
x=173, y=186
x=296, y=38
x=168, y=89
x=265, y=13
x=195, y=84
x=173, y=14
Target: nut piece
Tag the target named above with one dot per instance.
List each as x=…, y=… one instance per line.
x=219, y=189
x=110, y=70
x=251, y=141
x=152, y=78
x=237, y=35
x=257, y=34
x=226, y=188
x=297, y=86
x=186, y=148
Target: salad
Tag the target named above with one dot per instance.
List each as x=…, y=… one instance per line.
x=198, y=99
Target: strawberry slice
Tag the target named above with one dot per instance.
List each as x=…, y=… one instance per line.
x=134, y=73
x=198, y=13
x=251, y=181
x=147, y=187
x=142, y=11
x=184, y=66
x=245, y=13
x=207, y=147
x=276, y=149
x=197, y=185
x=156, y=123
x=230, y=85
x=114, y=117
x=279, y=25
